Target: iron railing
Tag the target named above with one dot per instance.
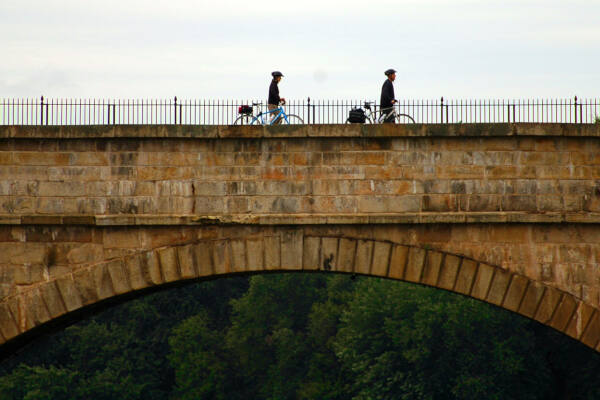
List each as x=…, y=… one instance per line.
x=224, y=112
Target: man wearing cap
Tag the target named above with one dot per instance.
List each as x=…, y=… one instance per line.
x=387, y=100
x=274, y=99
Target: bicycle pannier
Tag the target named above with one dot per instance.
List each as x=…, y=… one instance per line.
x=357, y=116
x=245, y=109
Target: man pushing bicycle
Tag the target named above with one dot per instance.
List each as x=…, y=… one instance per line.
x=388, y=100
x=274, y=99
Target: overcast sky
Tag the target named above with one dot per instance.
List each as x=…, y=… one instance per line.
x=326, y=49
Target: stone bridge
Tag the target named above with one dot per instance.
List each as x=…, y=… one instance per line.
x=508, y=214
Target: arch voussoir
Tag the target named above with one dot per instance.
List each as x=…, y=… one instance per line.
x=291, y=250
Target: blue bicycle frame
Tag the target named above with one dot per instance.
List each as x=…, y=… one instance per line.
x=260, y=117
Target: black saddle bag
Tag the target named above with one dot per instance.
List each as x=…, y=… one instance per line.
x=357, y=116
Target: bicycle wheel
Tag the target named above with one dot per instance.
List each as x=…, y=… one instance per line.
x=294, y=120
x=404, y=119
x=243, y=120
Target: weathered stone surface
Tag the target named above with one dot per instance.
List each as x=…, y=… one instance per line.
x=292, y=249
x=432, y=267
x=169, y=264
x=347, y=255
x=466, y=276
x=204, y=253
x=381, y=258
x=238, y=255
x=329, y=254
x=564, y=312
x=119, y=278
x=515, y=293
x=449, y=271
x=414, y=266
x=499, y=286
x=364, y=256
x=311, y=253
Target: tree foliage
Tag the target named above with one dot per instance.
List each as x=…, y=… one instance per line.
x=303, y=336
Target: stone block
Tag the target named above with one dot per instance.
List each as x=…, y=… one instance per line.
x=311, y=257
x=432, y=267
x=53, y=300
x=364, y=256
x=102, y=281
x=591, y=336
x=255, y=254
x=329, y=254
x=238, y=255
x=292, y=249
x=498, y=287
x=204, y=261
x=449, y=271
x=187, y=258
x=169, y=264
x=86, y=286
x=548, y=305
x=8, y=325
x=119, y=278
x=564, y=313
x=136, y=276
x=381, y=259
x=532, y=298
x=415, y=264
x=151, y=265
x=69, y=293
x=581, y=319
x=347, y=255
x=272, y=252
x=515, y=293
x=398, y=262
x=222, y=257
x=466, y=276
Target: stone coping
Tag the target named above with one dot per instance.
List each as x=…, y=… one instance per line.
x=299, y=131
x=302, y=219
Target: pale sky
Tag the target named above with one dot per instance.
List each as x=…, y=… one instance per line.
x=326, y=49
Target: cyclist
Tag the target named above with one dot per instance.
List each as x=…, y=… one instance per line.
x=387, y=96
x=274, y=99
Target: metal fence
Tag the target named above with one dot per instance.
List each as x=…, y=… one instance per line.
x=224, y=112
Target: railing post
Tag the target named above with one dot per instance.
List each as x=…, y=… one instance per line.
x=308, y=102
x=575, y=109
x=108, y=113
x=42, y=111
x=175, y=109
x=442, y=110
x=508, y=109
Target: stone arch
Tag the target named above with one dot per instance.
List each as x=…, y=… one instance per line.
x=292, y=250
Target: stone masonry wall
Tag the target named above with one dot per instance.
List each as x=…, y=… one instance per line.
x=299, y=176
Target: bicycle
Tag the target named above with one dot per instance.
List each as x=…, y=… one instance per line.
x=371, y=118
x=247, y=116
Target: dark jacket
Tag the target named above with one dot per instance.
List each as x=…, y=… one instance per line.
x=274, y=93
x=387, y=94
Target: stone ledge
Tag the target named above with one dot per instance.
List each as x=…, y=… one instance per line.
x=299, y=131
x=304, y=219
